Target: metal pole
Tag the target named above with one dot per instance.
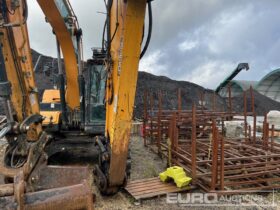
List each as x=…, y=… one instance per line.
x=151, y=116
x=214, y=156
x=145, y=118
x=159, y=123
x=254, y=128
x=193, y=143
x=264, y=131
x=245, y=113
x=272, y=138
x=222, y=164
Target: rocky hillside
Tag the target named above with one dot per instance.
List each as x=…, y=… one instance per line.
x=191, y=93
x=47, y=69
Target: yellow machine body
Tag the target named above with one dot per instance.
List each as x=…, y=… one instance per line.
x=125, y=52
x=122, y=62
x=52, y=116
x=51, y=96
x=19, y=68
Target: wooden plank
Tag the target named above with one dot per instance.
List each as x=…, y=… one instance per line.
x=147, y=188
x=143, y=180
x=162, y=189
x=151, y=185
x=154, y=194
x=159, y=188
x=154, y=183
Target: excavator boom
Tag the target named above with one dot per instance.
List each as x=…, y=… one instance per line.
x=125, y=54
x=65, y=28
x=96, y=111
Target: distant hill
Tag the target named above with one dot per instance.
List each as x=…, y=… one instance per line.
x=146, y=81
x=190, y=93
x=153, y=84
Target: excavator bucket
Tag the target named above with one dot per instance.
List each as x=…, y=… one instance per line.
x=53, y=190
x=71, y=197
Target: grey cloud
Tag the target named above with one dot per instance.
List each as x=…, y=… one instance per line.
x=90, y=20
x=224, y=32
x=228, y=33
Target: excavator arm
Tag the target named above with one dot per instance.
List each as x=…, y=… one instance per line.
x=29, y=182
x=65, y=28
x=125, y=54
x=18, y=90
x=124, y=47
x=61, y=17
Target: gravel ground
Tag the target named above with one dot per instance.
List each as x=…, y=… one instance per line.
x=146, y=164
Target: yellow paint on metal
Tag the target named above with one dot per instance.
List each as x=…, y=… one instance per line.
x=51, y=96
x=17, y=94
x=125, y=52
x=65, y=40
x=18, y=63
x=52, y=117
x=177, y=174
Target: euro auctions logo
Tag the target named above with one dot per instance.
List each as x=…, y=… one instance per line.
x=242, y=198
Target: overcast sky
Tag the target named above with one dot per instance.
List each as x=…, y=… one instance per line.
x=200, y=41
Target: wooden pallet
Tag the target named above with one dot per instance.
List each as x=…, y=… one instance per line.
x=152, y=187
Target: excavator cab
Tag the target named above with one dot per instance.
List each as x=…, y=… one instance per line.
x=95, y=93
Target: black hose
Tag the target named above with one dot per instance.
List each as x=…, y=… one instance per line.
x=109, y=6
x=103, y=35
x=149, y=30
x=117, y=23
x=25, y=11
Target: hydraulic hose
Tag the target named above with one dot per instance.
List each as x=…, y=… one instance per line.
x=149, y=30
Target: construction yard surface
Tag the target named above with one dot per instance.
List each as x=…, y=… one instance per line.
x=146, y=164
x=149, y=161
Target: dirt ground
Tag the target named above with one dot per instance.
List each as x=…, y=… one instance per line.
x=146, y=164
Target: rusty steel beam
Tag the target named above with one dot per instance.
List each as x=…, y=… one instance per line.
x=219, y=164
x=145, y=117
x=272, y=138
x=214, y=156
x=159, y=134
x=245, y=113
x=222, y=163
x=193, y=144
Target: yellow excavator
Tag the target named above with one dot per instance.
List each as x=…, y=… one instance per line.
x=85, y=122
